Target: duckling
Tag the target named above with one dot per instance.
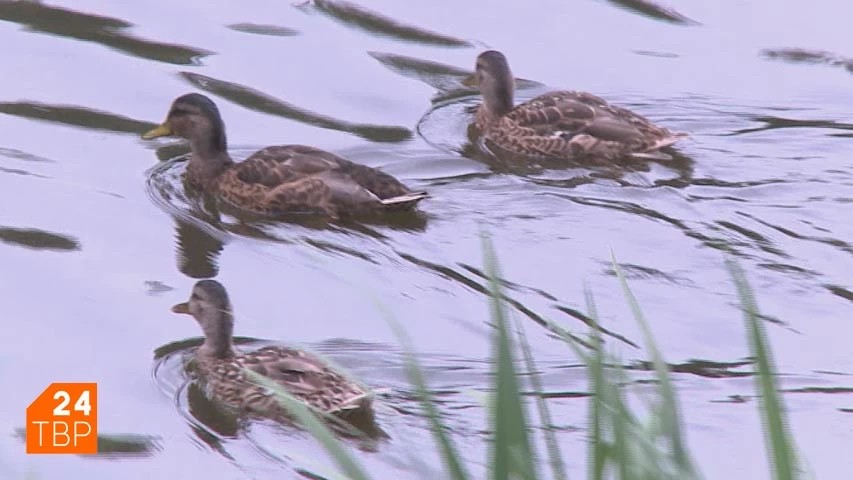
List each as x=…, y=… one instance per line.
x=277, y=180
x=567, y=125
x=222, y=368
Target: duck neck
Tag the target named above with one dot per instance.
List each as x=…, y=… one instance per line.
x=497, y=102
x=218, y=343
x=209, y=158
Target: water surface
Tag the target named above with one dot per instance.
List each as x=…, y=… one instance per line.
x=97, y=238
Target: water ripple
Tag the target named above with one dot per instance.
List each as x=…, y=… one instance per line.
x=38, y=239
x=76, y=116
x=654, y=11
x=447, y=79
x=261, y=29
x=106, y=31
x=356, y=15
x=265, y=103
x=809, y=57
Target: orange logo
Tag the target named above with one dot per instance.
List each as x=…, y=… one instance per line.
x=64, y=419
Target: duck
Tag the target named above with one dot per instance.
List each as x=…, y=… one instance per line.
x=563, y=125
x=277, y=180
x=222, y=368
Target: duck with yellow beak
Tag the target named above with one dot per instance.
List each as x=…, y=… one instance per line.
x=277, y=180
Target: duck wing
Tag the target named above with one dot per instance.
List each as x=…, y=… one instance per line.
x=579, y=123
x=569, y=113
x=292, y=369
x=296, y=177
x=274, y=166
x=305, y=376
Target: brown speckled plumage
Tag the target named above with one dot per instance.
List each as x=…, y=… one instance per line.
x=277, y=180
x=567, y=125
x=222, y=368
x=303, y=375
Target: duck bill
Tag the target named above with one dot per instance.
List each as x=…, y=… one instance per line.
x=183, y=308
x=163, y=130
x=471, y=81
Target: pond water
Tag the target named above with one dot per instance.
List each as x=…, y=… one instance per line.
x=97, y=240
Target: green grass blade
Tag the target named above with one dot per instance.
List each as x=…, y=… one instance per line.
x=512, y=455
x=449, y=453
x=598, y=449
x=622, y=426
x=555, y=458
x=780, y=445
x=670, y=414
x=570, y=340
x=346, y=462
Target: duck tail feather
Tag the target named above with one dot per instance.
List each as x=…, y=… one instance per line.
x=656, y=155
x=405, y=200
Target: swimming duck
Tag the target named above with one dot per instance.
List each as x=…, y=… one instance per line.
x=277, y=180
x=565, y=125
x=222, y=368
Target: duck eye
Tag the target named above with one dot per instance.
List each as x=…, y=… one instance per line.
x=177, y=112
x=195, y=296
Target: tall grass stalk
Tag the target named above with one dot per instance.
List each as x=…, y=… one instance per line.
x=779, y=444
x=598, y=451
x=511, y=452
x=449, y=453
x=668, y=411
x=309, y=420
x=621, y=445
x=555, y=458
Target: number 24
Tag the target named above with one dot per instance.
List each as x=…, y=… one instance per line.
x=82, y=404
